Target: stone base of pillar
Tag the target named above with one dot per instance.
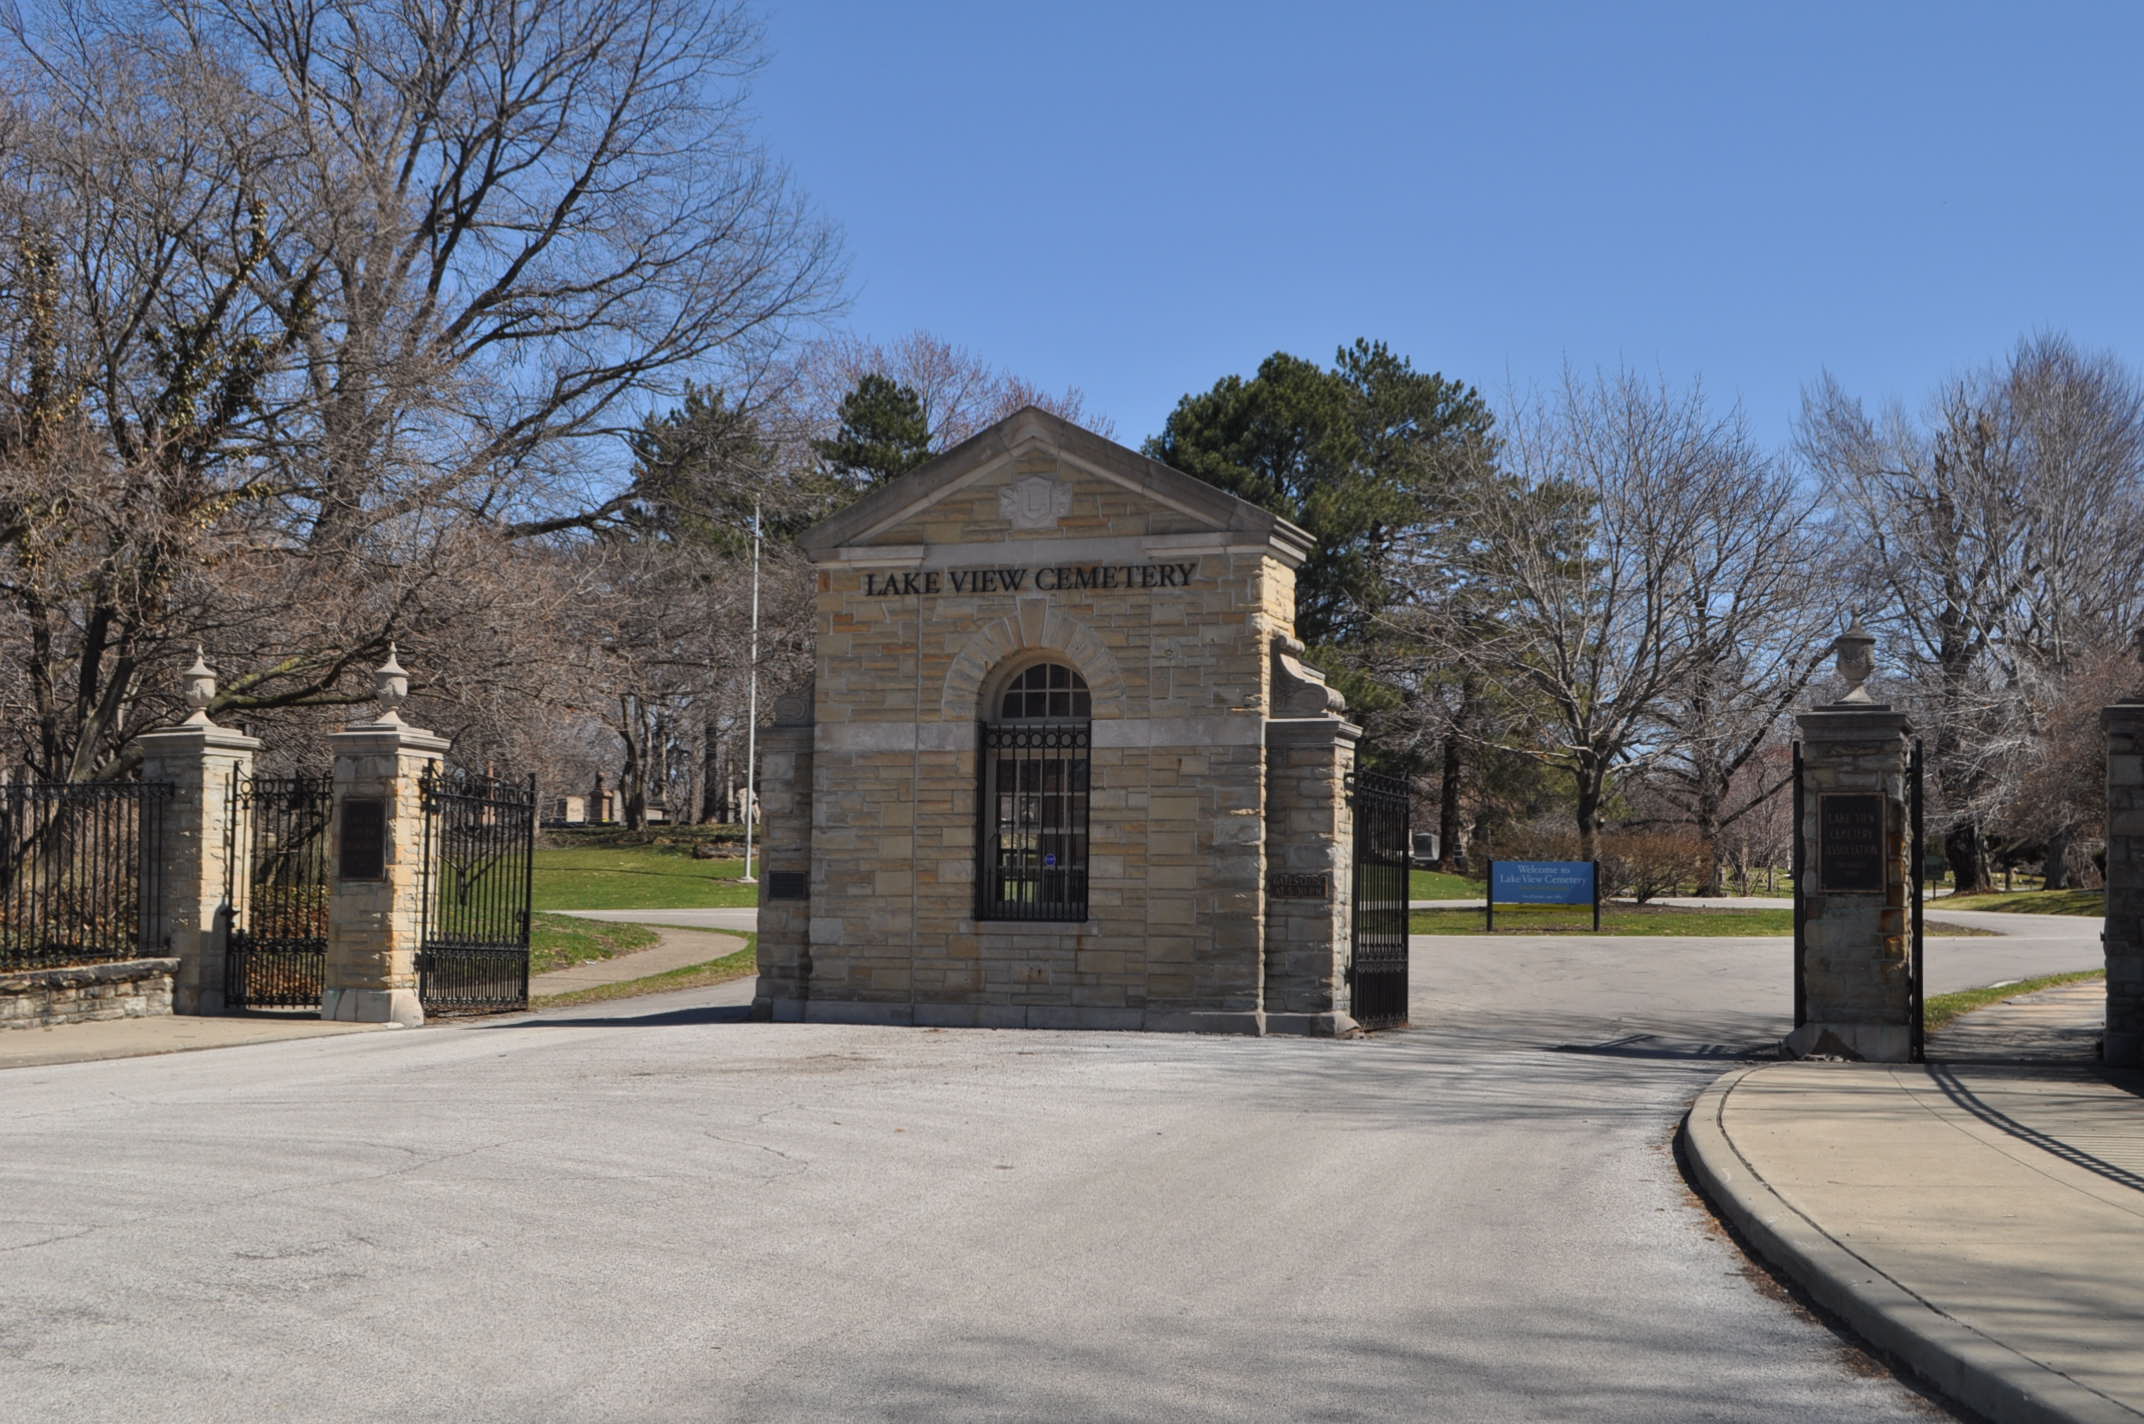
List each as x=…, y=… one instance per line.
x=1332, y=1025
x=395, y=1006
x=2122, y=1050
x=1860, y=1042
x=1047, y=1016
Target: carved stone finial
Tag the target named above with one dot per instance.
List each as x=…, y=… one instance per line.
x=1856, y=653
x=390, y=685
x=200, y=689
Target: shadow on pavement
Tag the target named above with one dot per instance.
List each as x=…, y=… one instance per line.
x=1647, y=1045
x=1958, y=1091
x=674, y=1018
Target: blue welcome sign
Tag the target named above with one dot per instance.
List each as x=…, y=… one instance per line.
x=1544, y=882
x=1541, y=882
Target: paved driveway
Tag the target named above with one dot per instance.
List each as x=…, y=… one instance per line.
x=665, y=1213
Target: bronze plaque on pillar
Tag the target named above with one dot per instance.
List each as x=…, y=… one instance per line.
x=364, y=839
x=1850, y=841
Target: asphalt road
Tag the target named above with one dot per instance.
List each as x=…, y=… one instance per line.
x=656, y=1211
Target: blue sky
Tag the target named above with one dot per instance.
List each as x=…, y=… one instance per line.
x=1141, y=198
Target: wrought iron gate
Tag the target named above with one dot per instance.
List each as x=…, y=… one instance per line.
x=479, y=857
x=276, y=954
x=1377, y=964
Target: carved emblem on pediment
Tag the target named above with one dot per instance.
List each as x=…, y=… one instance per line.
x=1036, y=502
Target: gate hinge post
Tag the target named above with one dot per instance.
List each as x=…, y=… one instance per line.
x=188, y=843
x=381, y=859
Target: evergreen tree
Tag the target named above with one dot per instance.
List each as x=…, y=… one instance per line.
x=884, y=433
x=1359, y=456
x=697, y=469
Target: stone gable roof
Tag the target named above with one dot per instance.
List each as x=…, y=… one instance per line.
x=976, y=458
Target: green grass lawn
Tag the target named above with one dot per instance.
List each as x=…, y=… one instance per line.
x=1939, y=1009
x=2030, y=902
x=1436, y=885
x=1615, y=920
x=666, y=877
x=560, y=942
x=736, y=965
x=1625, y=919
x=647, y=877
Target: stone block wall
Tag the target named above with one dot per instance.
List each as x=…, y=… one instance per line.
x=130, y=989
x=1310, y=826
x=785, y=791
x=2124, y=935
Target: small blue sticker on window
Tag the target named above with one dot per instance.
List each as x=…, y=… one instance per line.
x=1049, y=860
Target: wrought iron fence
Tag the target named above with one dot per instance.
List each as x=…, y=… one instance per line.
x=479, y=863
x=276, y=955
x=1377, y=967
x=79, y=871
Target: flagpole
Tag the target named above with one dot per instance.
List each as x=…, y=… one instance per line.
x=751, y=728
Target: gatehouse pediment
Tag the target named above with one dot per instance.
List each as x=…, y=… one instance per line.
x=1034, y=477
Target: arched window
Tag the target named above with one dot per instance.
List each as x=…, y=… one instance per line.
x=1031, y=851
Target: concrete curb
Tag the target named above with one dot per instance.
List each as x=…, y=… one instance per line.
x=1960, y=1362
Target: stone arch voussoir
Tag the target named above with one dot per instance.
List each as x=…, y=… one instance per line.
x=1000, y=639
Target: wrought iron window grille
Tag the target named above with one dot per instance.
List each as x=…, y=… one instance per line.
x=1035, y=782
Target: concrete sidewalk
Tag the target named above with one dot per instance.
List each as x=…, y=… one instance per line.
x=181, y=1033
x=1982, y=1221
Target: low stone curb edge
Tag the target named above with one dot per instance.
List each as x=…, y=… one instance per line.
x=1956, y=1360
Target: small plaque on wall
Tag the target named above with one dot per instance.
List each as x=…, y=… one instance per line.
x=1850, y=842
x=364, y=839
x=788, y=885
x=1292, y=885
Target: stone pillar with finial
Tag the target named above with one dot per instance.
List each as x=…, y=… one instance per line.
x=201, y=879
x=376, y=852
x=1853, y=945
x=2123, y=939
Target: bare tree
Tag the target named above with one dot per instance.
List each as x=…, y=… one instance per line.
x=1603, y=564
x=1755, y=609
x=961, y=392
x=303, y=287
x=2002, y=537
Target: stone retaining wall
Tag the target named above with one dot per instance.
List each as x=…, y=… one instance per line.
x=41, y=998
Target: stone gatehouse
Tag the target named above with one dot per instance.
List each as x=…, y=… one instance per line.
x=1061, y=765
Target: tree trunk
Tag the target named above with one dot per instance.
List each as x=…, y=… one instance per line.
x=632, y=778
x=2055, y=868
x=1588, y=812
x=1450, y=858
x=1707, y=815
x=711, y=787
x=1968, y=859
